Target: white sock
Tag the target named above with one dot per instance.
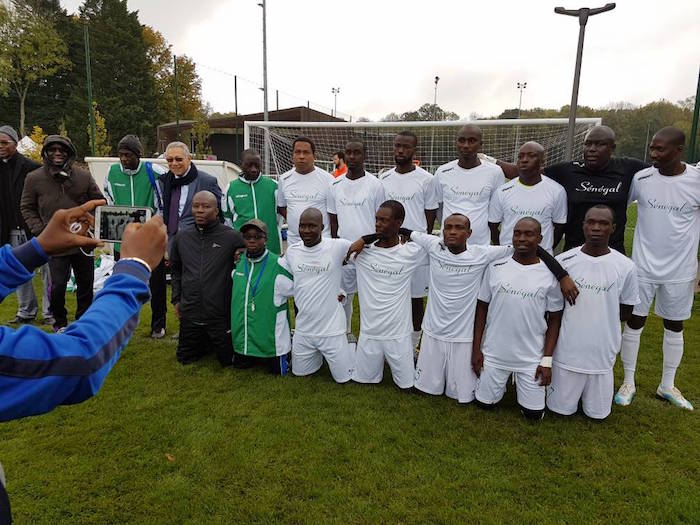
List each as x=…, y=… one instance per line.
x=348, y=311
x=415, y=337
x=673, y=352
x=628, y=352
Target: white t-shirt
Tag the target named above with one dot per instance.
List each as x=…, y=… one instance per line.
x=468, y=191
x=384, y=288
x=298, y=192
x=666, y=237
x=545, y=201
x=519, y=295
x=454, y=285
x=317, y=272
x=355, y=202
x=590, y=334
x=414, y=191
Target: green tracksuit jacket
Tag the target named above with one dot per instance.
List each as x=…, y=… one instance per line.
x=247, y=200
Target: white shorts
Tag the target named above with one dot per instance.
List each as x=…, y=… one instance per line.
x=419, y=281
x=674, y=301
x=369, y=360
x=594, y=390
x=348, y=281
x=445, y=367
x=492, y=385
x=308, y=352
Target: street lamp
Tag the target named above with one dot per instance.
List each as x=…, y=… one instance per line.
x=432, y=133
x=335, y=91
x=521, y=86
x=582, y=14
x=265, y=115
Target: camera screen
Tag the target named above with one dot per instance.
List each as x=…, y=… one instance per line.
x=112, y=222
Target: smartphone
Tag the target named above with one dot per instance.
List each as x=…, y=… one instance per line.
x=110, y=221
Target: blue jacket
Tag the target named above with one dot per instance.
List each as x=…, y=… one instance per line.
x=39, y=371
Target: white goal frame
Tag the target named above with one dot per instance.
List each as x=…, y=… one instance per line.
x=516, y=124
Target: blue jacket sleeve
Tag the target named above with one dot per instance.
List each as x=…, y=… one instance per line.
x=17, y=265
x=39, y=371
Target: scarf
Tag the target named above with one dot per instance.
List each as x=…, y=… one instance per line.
x=170, y=181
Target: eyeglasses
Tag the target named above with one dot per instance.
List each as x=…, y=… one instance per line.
x=170, y=160
x=253, y=237
x=5, y=142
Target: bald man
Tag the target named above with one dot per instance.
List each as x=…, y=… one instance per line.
x=252, y=196
x=201, y=261
x=317, y=266
x=466, y=185
x=665, y=251
x=599, y=178
x=520, y=309
x=530, y=195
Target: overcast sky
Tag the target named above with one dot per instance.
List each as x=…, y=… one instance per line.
x=384, y=55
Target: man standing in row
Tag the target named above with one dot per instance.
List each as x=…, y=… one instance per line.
x=520, y=307
x=14, y=168
x=530, y=195
x=412, y=187
x=339, y=163
x=665, y=251
x=179, y=185
x=253, y=196
x=590, y=334
x=132, y=182
x=599, y=178
x=57, y=185
x=353, y=202
x=201, y=261
x=304, y=186
x=466, y=185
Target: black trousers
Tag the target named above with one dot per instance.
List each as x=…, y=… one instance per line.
x=84, y=271
x=159, y=299
x=198, y=339
x=279, y=365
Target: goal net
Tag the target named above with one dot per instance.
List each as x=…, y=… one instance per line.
x=436, y=140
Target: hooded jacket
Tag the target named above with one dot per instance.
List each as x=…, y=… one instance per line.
x=48, y=188
x=16, y=168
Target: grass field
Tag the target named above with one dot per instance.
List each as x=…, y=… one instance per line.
x=167, y=444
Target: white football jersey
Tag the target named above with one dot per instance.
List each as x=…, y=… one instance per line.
x=297, y=192
x=519, y=295
x=384, y=288
x=454, y=286
x=468, y=191
x=414, y=191
x=590, y=334
x=317, y=273
x=545, y=201
x=666, y=236
x=355, y=202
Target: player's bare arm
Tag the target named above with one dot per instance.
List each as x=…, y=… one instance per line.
x=482, y=310
x=544, y=370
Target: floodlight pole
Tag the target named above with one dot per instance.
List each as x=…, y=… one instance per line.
x=692, y=157
x=263, y=4
x=432, y=134
x=582, y=14
x=521, y=86
x=335, y=91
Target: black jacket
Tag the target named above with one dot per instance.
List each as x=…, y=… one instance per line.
x=16, y=169
x=201, y=262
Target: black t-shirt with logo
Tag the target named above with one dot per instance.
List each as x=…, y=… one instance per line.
x=586, y=188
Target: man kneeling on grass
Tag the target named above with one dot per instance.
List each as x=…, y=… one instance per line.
x=259, y=313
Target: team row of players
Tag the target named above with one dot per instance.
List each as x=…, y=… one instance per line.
x=665, y=239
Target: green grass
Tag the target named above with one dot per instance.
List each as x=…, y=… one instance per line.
x=249, y=447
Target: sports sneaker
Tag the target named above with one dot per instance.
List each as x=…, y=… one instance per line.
x=674, y=397
x=158, y=334
x=22, y=320
x=49, y=321
x=625, y=395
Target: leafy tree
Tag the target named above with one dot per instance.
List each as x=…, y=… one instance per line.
x=38, y=136
x=102, y=147
x=33, y=51
x=199, y=136
x=425, y=112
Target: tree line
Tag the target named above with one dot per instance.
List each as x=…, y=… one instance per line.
x=43, y=76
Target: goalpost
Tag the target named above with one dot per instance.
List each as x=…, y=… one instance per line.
x=436, y=140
